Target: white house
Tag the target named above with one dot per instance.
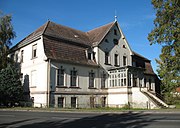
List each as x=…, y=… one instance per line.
x=64, y=67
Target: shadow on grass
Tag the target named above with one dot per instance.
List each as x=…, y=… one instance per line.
x=125, y=120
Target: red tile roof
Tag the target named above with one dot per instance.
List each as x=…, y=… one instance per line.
x=64, y=51
x=148, y=69
x=66, y=33
x=97, y=34
x=66, y=44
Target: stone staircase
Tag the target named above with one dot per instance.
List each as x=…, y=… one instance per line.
x=160, y=103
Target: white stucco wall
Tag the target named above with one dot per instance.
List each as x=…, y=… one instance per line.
x=34, y=66
x=140, y=100
x=113, y=49
x=35, y=76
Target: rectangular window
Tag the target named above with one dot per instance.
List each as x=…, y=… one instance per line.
x=60, y=102
x=124, y=81
x=89, y=56
x=106, y=58
x=73, y=77
x=115, y=59
x=124, y=60
x=34, y=51
x=91, y=79
x=115, y=32
x=103, y=101
x=94, y=55
x=73, y=102
x=92, y=102
x=103, y=79
x=22, y=55
x=60, y=77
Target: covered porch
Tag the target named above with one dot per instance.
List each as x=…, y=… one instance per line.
x=127, y=77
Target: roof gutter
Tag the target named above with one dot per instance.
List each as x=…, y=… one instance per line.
x=48, y=83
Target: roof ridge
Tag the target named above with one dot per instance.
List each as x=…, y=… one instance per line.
x=46, y=25
x=67, y=27
x=97, y=35
x=101, y=26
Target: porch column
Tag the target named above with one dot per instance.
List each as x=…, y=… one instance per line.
x=138, y=83
x=131, y=80
x=127, y=77
x=143, y=82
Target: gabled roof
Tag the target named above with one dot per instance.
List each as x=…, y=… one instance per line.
x=66, y=33
x=148, y=69
x=97, y=34
x=68, y=44
x=92, y=37
x=30, y=38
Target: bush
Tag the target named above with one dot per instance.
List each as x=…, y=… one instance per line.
x=11, y=90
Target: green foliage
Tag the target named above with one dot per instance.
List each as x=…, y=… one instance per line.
x=11, y=90
x=167, y=33
x=6, y=35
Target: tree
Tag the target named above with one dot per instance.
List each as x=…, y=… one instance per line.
x=6, y=35
x=11, y=90
x=10, y=84
x=167, y=33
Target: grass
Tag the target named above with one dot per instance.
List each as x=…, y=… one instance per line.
x=106, y=109
x=177, y=106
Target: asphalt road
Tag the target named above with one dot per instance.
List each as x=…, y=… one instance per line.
x=26, y=119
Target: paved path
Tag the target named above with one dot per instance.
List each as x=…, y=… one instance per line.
x=26, y=119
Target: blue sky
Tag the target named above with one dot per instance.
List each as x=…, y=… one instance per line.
x=135, y=18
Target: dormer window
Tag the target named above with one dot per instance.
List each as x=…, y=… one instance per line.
x=94, y=55
x=115, y=32
x=89, y=56
x=115, y=41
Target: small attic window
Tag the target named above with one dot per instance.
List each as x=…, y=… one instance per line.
x=106, y=40
x=115, y=32
x=115, y=41
x=124, y=46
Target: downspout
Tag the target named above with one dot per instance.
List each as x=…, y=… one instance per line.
x=48, y=82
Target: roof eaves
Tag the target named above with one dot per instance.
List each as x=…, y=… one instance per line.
x=26, y=42
x=134, y=53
